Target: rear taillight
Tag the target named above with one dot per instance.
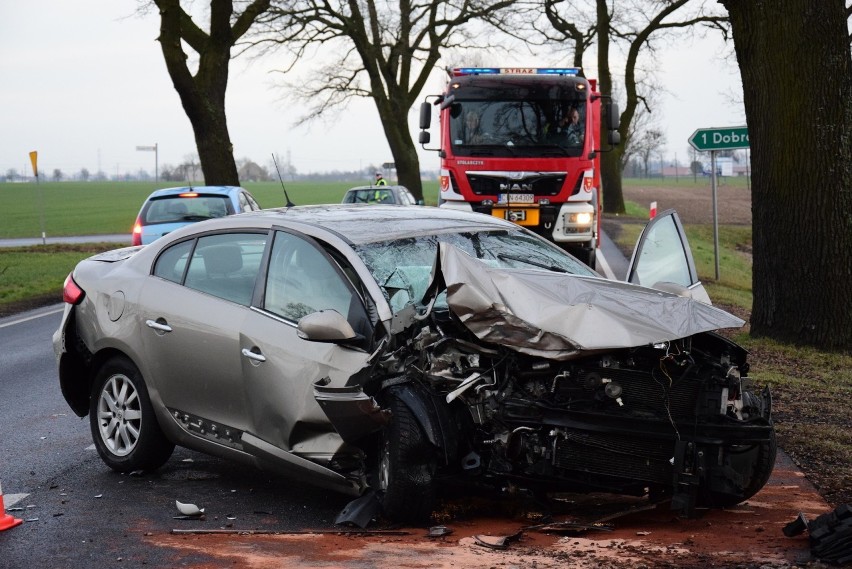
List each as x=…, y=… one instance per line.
x=136, y=235
x=71, y=293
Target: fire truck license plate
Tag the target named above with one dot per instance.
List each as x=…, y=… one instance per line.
x=519, y=216
x=515, y=198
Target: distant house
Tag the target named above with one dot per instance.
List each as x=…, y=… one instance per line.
x=676, y=171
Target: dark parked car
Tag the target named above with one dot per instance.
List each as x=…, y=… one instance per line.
x=392, y=355
x=379, y=195
x=166, y=210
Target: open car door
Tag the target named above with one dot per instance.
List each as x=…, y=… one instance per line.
x=663, y=260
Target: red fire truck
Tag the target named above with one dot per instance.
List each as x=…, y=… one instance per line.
x=523, y=145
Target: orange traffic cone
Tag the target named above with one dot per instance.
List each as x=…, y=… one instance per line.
x=6, y=521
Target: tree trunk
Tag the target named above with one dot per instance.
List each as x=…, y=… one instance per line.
x=612, y=194
x=395, y=125
x=797, y=81
x=202, y=95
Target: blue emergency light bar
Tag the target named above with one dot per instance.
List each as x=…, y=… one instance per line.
x=459, y=71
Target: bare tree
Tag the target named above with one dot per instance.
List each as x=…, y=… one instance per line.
x=383, y=52
x=649, y=143
x=802, y=225
x=202, y=93
x=633, y=27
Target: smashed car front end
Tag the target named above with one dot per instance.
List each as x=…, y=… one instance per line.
x=674, y=419
x=555, y=382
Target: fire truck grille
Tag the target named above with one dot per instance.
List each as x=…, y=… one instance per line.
x=539, y=184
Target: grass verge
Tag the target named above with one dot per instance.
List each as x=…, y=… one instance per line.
x=33, y=276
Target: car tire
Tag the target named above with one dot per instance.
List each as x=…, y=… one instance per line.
x=124, y=427
x=754, y=463
x=406, y=468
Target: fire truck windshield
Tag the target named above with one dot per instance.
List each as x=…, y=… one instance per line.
x=518, y=128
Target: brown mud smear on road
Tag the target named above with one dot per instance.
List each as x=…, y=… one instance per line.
x=749, y=535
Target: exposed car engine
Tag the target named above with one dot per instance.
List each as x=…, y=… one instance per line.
x=673, y=419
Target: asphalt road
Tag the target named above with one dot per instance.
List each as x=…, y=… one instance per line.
x=122, y=239
x=78, y=513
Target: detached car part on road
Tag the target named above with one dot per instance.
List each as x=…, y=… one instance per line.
x=409, y=348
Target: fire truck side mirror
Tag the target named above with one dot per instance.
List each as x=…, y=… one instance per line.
x=425, y=118
x=613, y=116
x=613, y=138
x=424, y=137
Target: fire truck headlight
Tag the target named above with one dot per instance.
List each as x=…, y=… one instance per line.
x=544, y=201
x=584, y=218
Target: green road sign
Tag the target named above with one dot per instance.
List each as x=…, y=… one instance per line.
x=706, y=139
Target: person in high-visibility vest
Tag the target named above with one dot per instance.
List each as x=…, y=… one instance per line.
x=380, y=180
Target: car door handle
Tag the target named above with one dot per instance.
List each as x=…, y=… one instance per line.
x=159, y=324
x=253, y=355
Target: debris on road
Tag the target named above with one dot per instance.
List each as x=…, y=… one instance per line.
x=830, y=534
x=354, y=532
x=439, y=531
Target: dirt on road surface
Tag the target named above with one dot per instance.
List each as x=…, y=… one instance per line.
x=746, y=536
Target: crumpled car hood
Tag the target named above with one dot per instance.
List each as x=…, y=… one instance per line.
x=560, y=316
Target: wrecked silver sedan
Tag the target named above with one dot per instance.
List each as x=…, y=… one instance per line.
x=386, y=351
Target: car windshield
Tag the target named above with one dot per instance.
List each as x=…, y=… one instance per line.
x=372, y=195
x=178, y=208
x=403, y=267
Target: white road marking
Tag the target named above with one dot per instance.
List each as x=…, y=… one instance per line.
x=90, y=447
x=607, y=270
x=28, y=318
x=12, y=499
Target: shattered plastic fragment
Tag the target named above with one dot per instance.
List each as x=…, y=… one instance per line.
x=189, y=509
x=439, y=531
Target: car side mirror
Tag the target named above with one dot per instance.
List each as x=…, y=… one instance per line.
x=327, y=326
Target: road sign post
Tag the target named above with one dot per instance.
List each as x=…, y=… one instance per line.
x=713, y=140
x=156, y=151
x=34, y=161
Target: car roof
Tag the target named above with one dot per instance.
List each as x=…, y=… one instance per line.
x=358, y=223
x=374, y=187
x=166, y=192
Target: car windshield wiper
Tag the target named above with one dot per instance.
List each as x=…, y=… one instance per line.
x=195, y=217
x=507, y=257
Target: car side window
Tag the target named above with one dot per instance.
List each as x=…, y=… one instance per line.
x=171, y=263
x=302, y=280
x=252, y=203
x=244, y=205
x=227, y=265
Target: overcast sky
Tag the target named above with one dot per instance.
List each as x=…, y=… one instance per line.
x=84, y=84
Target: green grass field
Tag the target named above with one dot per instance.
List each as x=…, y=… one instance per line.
x=102, y=208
